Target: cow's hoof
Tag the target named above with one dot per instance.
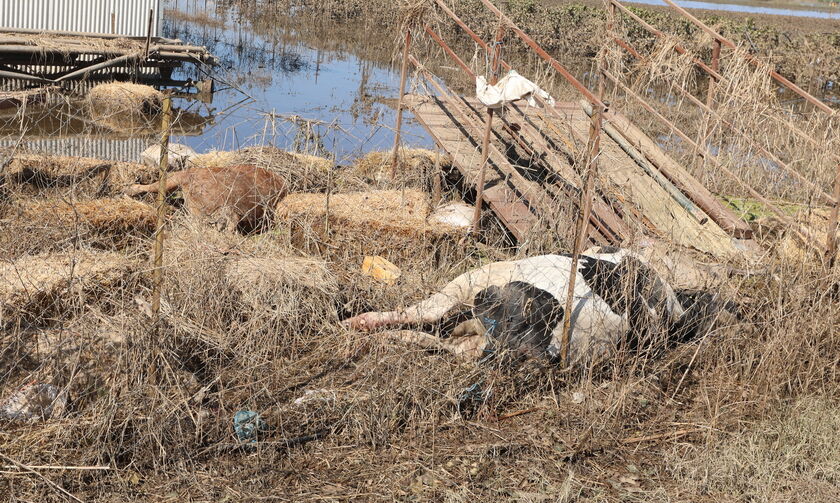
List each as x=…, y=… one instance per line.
x=363, y=322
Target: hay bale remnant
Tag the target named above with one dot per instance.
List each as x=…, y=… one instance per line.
x=40, y=225
x=304, y=172
x=390, y=223
x=110, y=215
x=116, y=100
x=35, y=289
x=77, y=175
x=413, y=164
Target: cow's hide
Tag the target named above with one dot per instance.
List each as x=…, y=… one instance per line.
x=520, y=306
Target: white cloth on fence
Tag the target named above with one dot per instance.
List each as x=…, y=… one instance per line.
x=510, y=88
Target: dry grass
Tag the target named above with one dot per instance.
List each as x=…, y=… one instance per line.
x=793, y=455
x=31, y=226
x=252, y=323
x=75, y=176
x=748, y=413
x=36, y=287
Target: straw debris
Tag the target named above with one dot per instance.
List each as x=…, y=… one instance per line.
x=38, y=287
x=124, y=99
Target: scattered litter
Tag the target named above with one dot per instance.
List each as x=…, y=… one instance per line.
x=33, y=402
x=472, y=398
x=311, y=395
x=578, y=397
x=380, y=269
x=453, y=214
x=510, y=88
x=248, y=425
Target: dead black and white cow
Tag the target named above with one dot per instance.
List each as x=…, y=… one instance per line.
x=518, y=306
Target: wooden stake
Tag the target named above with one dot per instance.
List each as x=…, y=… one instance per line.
x=436, y=189
x=582, y=228
x=149, y=32
x=157, y=274
x=482, y=175
x=403, y=73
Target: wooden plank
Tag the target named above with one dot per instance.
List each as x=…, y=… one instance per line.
x=516, y=217
x=678, y=175
x=668, y=217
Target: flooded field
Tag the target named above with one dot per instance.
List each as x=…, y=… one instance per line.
x=796, y=8
x=272, y=88
x=276, y=87
x=327, y=88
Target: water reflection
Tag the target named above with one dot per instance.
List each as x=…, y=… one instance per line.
x=284, y=77
x=749, y=8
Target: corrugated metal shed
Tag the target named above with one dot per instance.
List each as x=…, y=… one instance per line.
x=100, y=148
x=122, y=17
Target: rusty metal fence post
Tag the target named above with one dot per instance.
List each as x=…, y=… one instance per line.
x=485, y=142
x=157, y=272
x=403, y=72
x=710, y=97
x=582, y=228
x=831, y=239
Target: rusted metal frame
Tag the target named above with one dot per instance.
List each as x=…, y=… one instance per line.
x=488, y=126
x=680, y=177
x=403, y=75
x=831, y=238
x=651, y=170
x=477, y=39
x=627, y=47
x=485, y=46
x=659, y=33
x=605, y=221
x=538, y=199
x=604, y=217
x=827, y=197
x=751, y=59
x=710, y=97
x=712, y=158
x=592, y=154
x=568, y=189
x=163, y=167
x=544, y=55
x=450, y=52
x=497, y=206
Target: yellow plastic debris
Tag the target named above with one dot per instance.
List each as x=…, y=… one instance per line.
x=380, y=269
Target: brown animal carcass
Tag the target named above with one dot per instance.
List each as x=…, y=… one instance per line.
x=235, y=198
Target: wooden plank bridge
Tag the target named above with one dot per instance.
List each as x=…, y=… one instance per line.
x=540, y=168
x=533, y=181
